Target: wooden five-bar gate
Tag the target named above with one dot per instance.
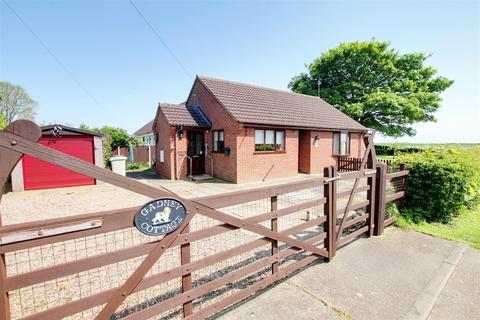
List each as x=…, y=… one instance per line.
x=99, y=266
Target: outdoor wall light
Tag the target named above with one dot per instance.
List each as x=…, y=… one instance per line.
x=316, y=141
x=180, y=134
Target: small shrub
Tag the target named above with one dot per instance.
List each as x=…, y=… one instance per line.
x=441, y=183
x=391, y=210
x=107, y=150
x=136, y=166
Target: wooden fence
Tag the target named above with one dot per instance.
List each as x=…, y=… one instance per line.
x=141, y=154
x=229, y=246
x=388, y=162
x=347, y=164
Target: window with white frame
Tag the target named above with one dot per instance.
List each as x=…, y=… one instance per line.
x=270, y=140
x=218, y=141
x=341, y=143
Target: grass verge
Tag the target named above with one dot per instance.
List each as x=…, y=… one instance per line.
x=464, y=228
x=137, y=166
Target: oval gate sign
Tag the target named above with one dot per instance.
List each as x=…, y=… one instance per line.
x=160, y=217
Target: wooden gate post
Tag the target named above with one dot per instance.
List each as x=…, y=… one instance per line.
x=371, y=192
x=9, y=159
x=381, y=181
x=274, y=227
x=401, y=203
x=186, y=278
x=4, y=299
x=329, y=210
x=149, y=156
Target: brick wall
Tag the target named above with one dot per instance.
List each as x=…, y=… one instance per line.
x=224, y=167
x=316, y=150
x=357, y=146
x=165, y=142
x=257, y=166
x=182, y=161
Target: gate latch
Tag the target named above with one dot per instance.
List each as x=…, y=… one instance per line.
x=332, y=179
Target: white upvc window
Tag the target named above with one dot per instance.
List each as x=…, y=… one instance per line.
x=218, y=141
x=341, y=143
x=270, y=141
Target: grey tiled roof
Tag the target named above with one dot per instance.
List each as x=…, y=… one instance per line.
x=148, y=128
x=263, y=106
x=183, y=115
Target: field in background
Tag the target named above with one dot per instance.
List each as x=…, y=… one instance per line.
x=405, y=147
x=401, y=145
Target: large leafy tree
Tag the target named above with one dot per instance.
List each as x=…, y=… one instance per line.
x=375, y=85
x=15, y=103
x=119, y=136
x=113, y=138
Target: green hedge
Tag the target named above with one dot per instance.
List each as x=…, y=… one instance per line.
x=441, y=183
x=390, y=150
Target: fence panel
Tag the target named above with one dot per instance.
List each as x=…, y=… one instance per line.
x=347, y=164
x=390, y=187
x=388, y=162
x=141, y=154
x=355, y=204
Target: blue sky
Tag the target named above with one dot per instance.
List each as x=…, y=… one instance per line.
x=120, y=70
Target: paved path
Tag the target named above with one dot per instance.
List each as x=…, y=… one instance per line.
x=400, y=275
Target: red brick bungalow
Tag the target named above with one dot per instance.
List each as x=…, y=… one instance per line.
x=244, y=133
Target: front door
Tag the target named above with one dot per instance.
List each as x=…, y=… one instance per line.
x=196, y=151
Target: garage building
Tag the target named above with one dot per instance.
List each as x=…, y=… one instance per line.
x=33, y=174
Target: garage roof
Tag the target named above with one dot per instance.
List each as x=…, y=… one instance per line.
x=66, y=130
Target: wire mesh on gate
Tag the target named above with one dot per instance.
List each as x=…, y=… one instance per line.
x=346, y=187
x=57, y=292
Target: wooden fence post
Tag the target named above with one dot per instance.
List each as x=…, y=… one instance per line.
x=401, y=203
x=274, y=227
x=4, y=299
x=381, y=182
x=371, y=192
x=329, y=210
x=186, y=278
x=149, y=156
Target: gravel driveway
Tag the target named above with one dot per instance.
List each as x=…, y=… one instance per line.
x=19, y=207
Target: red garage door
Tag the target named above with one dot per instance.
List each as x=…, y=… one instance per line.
x=38, y=174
